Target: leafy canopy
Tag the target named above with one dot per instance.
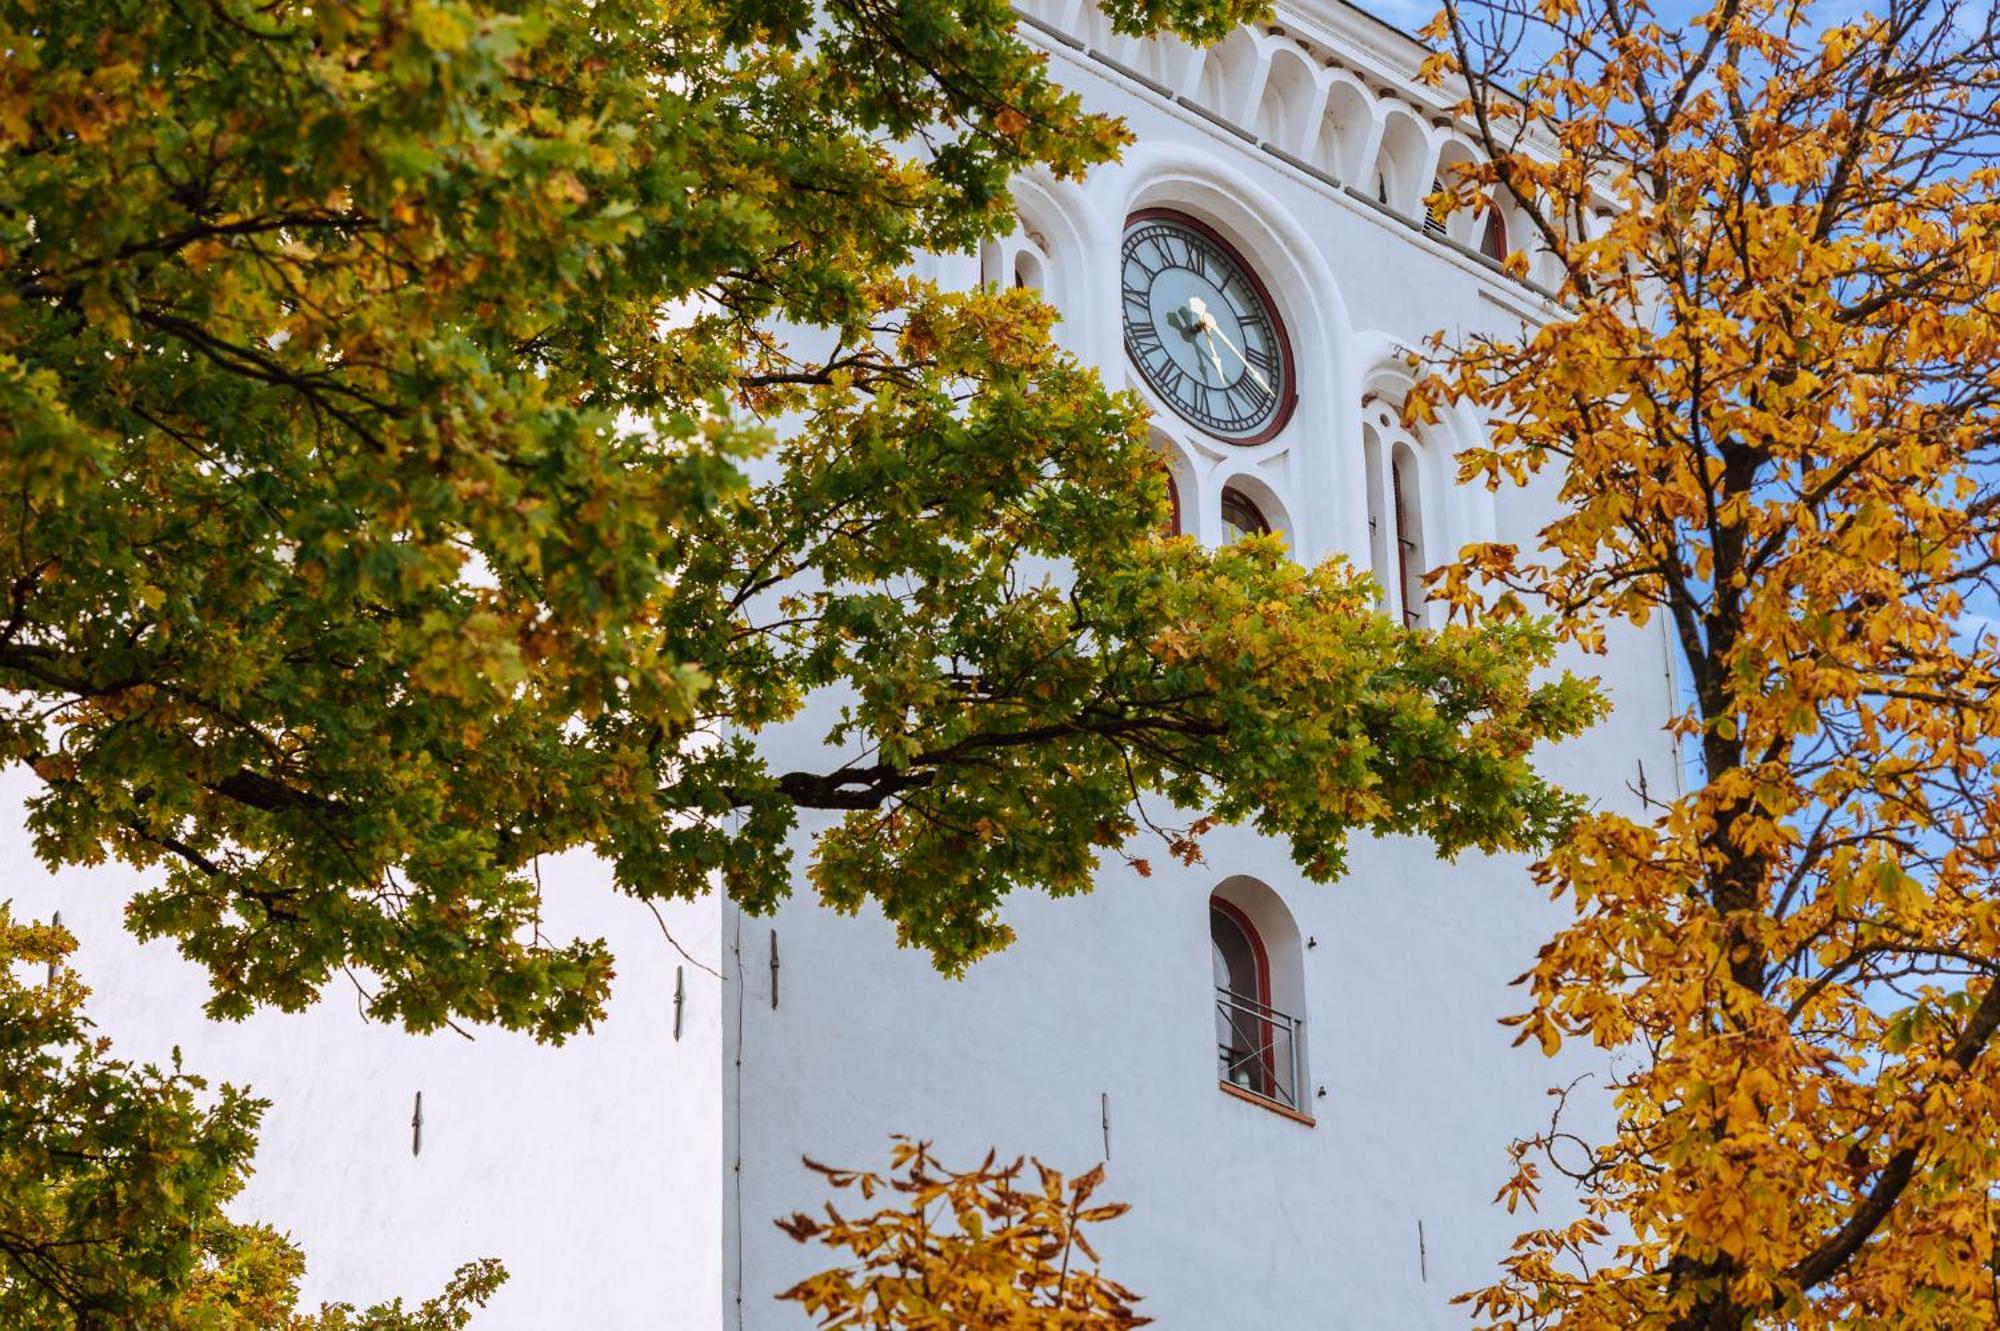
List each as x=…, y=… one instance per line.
x=441, y=433
x=113, y=1179
x=1775, y=412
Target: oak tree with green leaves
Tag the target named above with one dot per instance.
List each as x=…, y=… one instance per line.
x=440, y=433
x=113, y=1180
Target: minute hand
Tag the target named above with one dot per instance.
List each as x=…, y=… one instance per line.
x=1255, y=373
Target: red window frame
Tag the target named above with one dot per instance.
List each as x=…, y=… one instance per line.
x=1233, y=496
x=1260, y=959
x=1406, y=541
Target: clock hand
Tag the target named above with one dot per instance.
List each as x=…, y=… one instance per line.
x=1208, y=326
x=1216, y=356
x=1197, y=309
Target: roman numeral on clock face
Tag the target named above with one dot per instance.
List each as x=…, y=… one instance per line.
x=1143, y=342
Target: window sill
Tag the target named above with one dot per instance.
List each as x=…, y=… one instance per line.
x=1251, y=1097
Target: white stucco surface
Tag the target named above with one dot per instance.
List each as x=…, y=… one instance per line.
x=591, y=1170
x=630, y=1181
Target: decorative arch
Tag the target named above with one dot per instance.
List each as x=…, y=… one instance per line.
x=1048, y=248
x=1089, y=23
x=1289, y=115
x=1401, y=176
x=1349, y=125
x=1162, y=57
x=1231, y=76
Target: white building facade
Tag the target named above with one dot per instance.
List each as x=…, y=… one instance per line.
x=1302, y=1089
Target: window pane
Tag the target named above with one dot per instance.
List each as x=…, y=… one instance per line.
x=1242, y=1037
x=1240, y=517
x=1235, y=959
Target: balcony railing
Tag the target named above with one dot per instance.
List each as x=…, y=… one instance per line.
x=1258, y=1047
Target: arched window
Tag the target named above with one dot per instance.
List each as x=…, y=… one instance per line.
x=1493, y=240
x=1241, y=517
x=1173, y=504
x=1258, y=988
x=1027, y=270
x=1243, y=997
x=1019, y=260
x=1409, y=546
x=1436, y=213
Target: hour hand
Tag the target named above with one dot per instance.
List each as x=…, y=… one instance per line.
x=1221, y=376
x=1255, y=373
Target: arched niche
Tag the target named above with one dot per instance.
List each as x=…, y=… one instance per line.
x=1289, y=113
x=1401, y=162
x=1231, y=76
x=1349, y=123
x=1047, y=251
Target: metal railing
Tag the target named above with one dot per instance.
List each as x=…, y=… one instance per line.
x=1257, y=1047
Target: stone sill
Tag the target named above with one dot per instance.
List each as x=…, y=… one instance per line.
x=1251, y=1097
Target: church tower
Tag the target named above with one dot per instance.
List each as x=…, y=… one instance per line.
x=1302, y=1089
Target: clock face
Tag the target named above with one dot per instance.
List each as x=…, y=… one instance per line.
x=1201, y=330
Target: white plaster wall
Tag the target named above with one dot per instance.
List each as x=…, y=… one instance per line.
x=590, y=1170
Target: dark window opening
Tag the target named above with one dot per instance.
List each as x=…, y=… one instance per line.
x=1407, y=569
x=1241, y=518
x=1435, y=211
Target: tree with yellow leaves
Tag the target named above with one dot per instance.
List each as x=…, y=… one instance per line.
x=980, y=1249
x=1772, y=404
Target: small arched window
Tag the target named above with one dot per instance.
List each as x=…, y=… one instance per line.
x=1027, y=271
x=1019, y=261
x=1257, y=1041
x=1436, y=213
x=1493, y=240
x=1243, y=996
x=1173, y=504
x=1409, y=548
x=1241, y=517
